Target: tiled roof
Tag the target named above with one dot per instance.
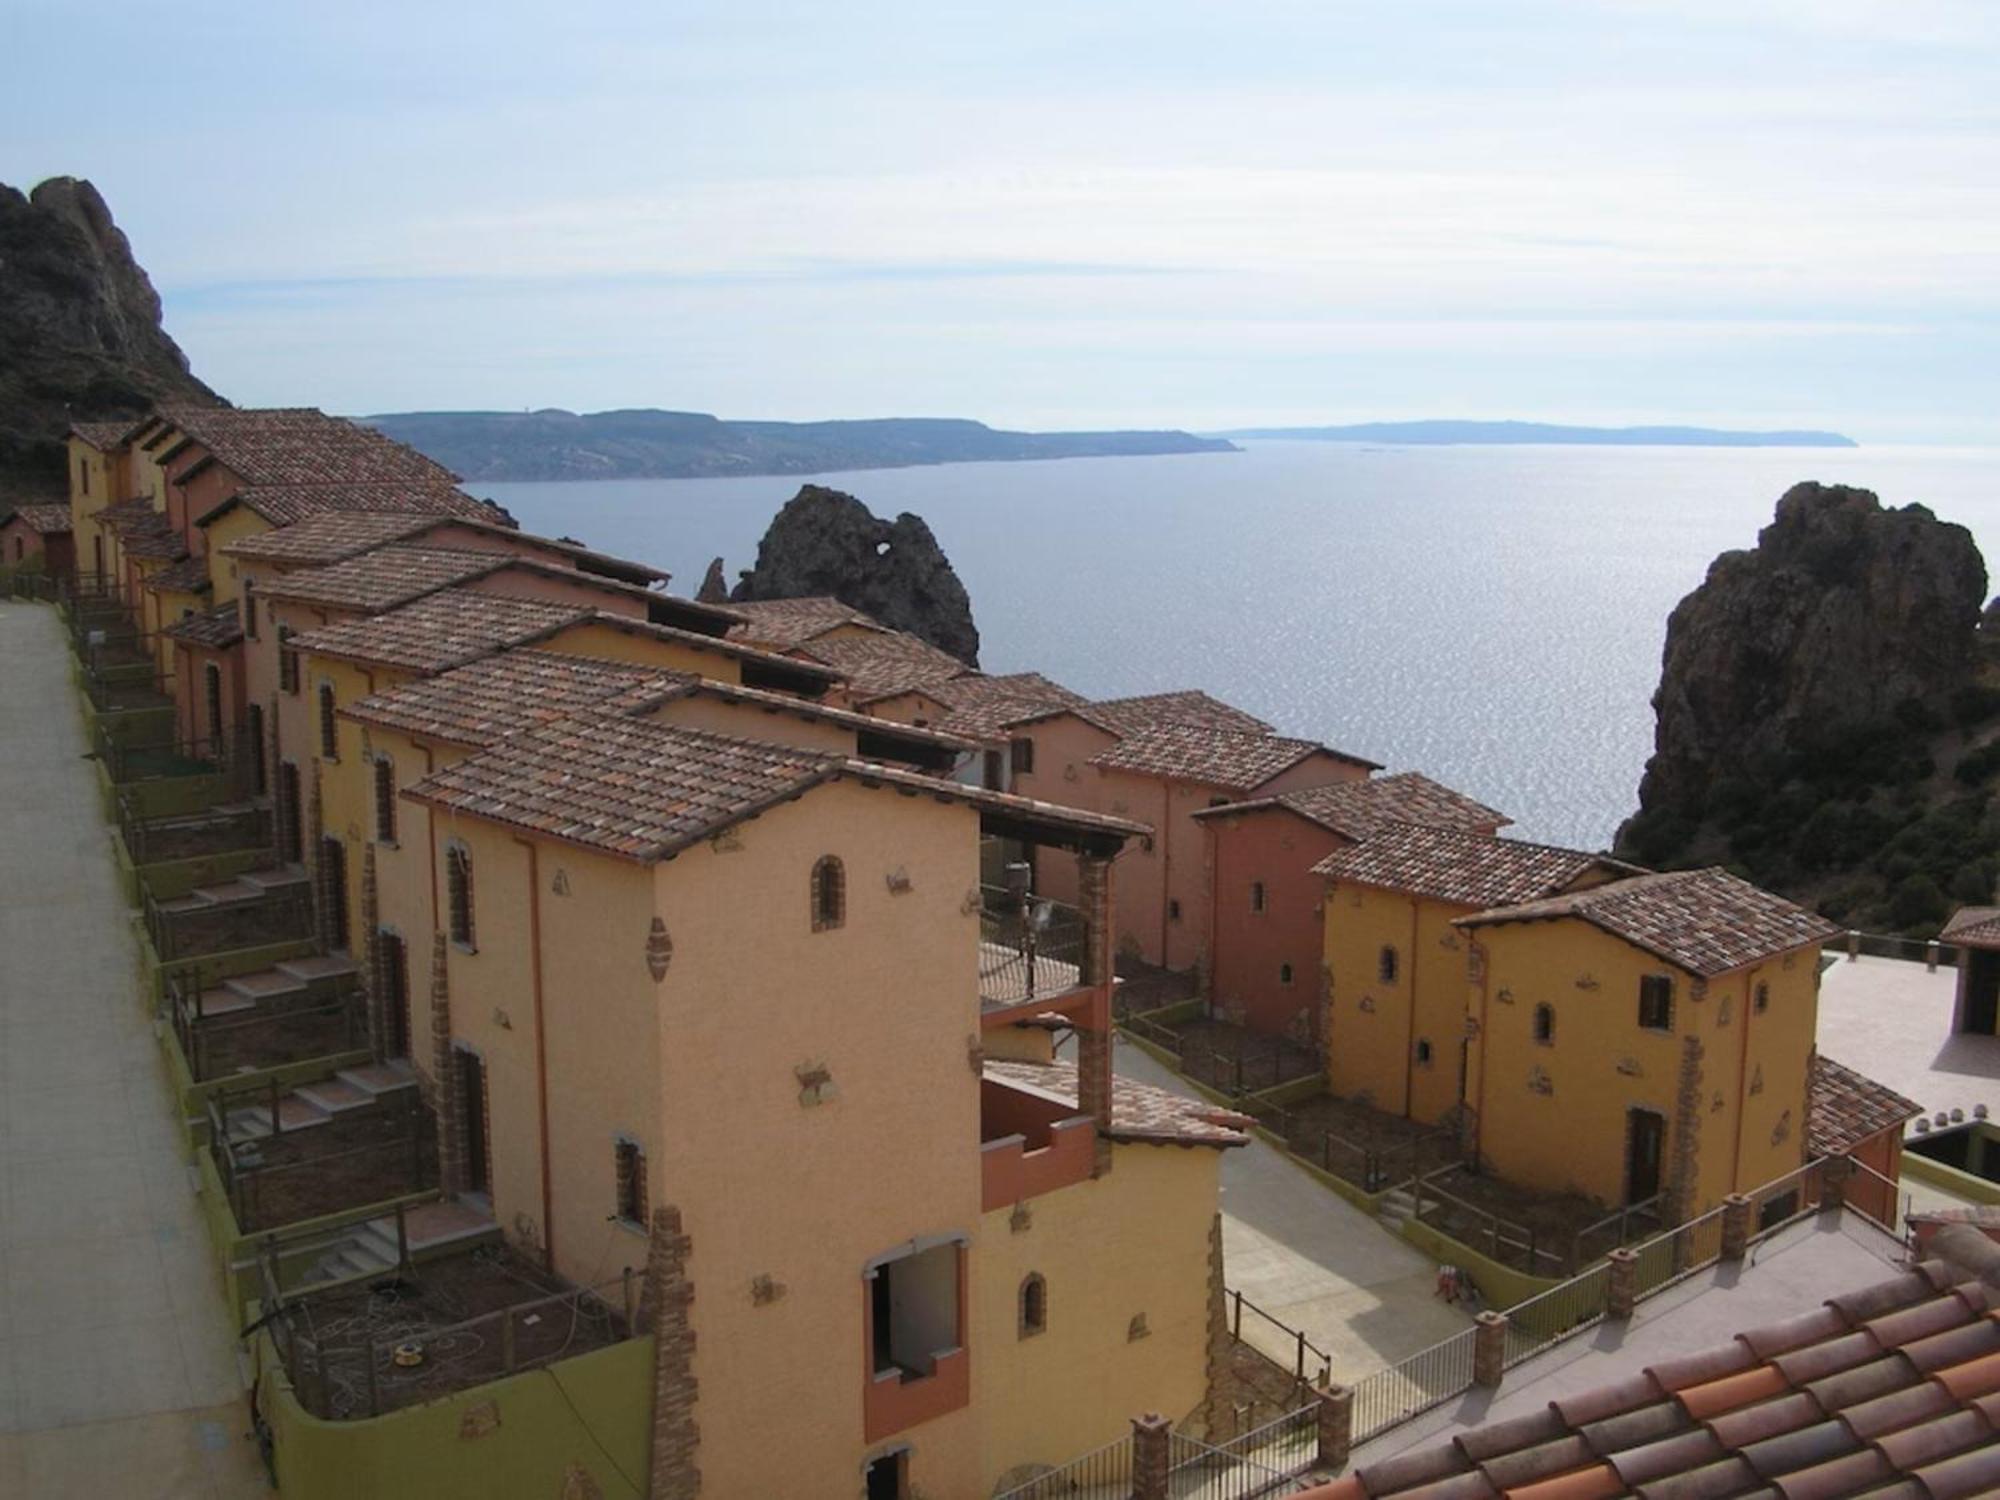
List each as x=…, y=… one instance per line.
x=792, y=667
x=643, y=789
x=158, y=541
x=504, y=694
x=1356, y=809
x=301, y=445
x=1889, y=1391
x=803, y=708
x=48, y=520
x=1982, y=1216
x=784, y=623
x=1974, y=926
x=1189, y=706
x=1458, y=865
x=188, y=576
x=383, y=579
x=1139, y=1112
x=105, y=436
x=1224, y=758
x=1844, y=1108
x=1706, y=921
x=288, y=504
x=982, y=707
x=441, y=631
x=884, y=665
x=330, y=536
x=138, y=511
x=216, y=628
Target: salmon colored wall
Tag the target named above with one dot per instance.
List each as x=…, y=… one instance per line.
x=889, y=1012
x=1602, y=1063
x=1374, y=1029
x=1318, y=769
x=189, y=502
x=1279, y=848
x=20, y=542
x=471, y=539
x=608, y=644
x=189, y=678
x=904, y=708
x=224, y=571
x=746, y=721
x=1134, y=1241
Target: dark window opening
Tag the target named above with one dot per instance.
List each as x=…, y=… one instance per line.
x=1387, y=965
x=888, y=1476
x=1174, y=909
x=1545, y=1024
x=1423, y=1054
x=1284, y=973
x=334, y=852
x=829, y=894
x=472, y=1120
x=458, y=893
x=212, y=688
x=329, y=727
x=253, y=731
x=392, y=962
x=291, y=838
x=1034, y=1305
x=913, y=1311
x=1256, y=895
x=991, y=772
x=249, y=612
x=1021, y=755
x=288, y=662
x=1656, y=1002
x=385, y=800
x=1774, y=1211
x=631, y=1169
x=1763, y=1001
x=83, y=474
x=1646, y=1136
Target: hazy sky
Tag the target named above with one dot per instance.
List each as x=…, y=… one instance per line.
x=1084, y=213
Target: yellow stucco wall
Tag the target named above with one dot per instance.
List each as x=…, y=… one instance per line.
x=748, y=721
x=224, y=572
x=607, y=644
x=1376, y=1031
x=1601, y=1063
x=1135, y=1241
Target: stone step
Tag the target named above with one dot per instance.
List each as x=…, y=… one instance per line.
x=377, y=1079
x=446, y=1222
x=294, y=1113
x=265, y=985
x=275, y=877
x=227, y=893
x=332, y=1096
x=226, y=1001
x=317, y=967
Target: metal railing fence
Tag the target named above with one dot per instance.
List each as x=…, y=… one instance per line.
x=1101, y=1474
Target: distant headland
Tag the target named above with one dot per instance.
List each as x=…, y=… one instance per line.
x=1446, y=432
x=648, y=444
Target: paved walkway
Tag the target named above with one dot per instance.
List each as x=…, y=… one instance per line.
x=1312, y=1259
x=117, y=1368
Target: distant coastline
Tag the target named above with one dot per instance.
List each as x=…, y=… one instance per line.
x=495, y=446
x=1447, y=432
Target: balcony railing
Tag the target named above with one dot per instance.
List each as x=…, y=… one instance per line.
x=1030, y=948
x=193, y=926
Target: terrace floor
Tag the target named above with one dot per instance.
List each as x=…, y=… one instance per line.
x=1889, y=1019
x=117, y=1370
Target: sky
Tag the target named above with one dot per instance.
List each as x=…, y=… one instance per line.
x=1055, y=213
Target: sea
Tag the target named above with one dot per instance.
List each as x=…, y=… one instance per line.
x=1490, y=616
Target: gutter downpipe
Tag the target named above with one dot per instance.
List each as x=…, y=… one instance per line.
x=1742, y=1083
x=541, y=1049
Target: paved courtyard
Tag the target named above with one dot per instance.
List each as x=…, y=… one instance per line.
x=1889, y=1019
x=1311, y=1259
x=118, y=1375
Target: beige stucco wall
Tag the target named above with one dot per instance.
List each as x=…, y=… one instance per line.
x=1133, y=1242
x=609, y=644
x=224, y=572
x=747, y=721
x=1374, y=1027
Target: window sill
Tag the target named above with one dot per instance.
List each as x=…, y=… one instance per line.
x=630, y=1226
x=464, y=947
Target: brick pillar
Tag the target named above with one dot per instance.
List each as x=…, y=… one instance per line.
x=1622, y=1294
x=1735, y=1226
x=367, y=955
x=316, y=871
x=444, y=1077
x=1833, y=1175
x=1152, y=1452
x=1218, y=1411
x=664, y=1312
x=273, y=782
x=1093, y=1040
x=1684, y=1146
x=1336, y=1426
x=1489, y=1348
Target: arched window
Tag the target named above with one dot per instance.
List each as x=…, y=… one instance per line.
x=1386, y=966
x=458, y=892
x=1545, y=1024
x=329, y=727
x=1256, y=895
x=829, y=894
x=1423, y=1053
x=385, y=800
x=1763, y=1002
x=1284, y=973
x=1034, y=1305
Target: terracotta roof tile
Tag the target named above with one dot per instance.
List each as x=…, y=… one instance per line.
x=107, y=437
x=982, y=707
x=1139, y=1112
x=1228, y=759
x=157, y=541
x=383, y=579
x=138, y=511
x=328, y=536
x=217, y=629
x=188, y=576
x=786, y=703
x=785, y=623
x=1705, y=921
x=1844, y=1108
x=301, y=445
x=1187, y=706
x=288, y=504
x=884, y=665
x=504, y=694
x=441, y=630
x=1459, y=866
x=1975, y=926
x=1356, y=809
x=47, y=520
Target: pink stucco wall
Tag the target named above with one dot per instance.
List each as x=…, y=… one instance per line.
x=1250, y=947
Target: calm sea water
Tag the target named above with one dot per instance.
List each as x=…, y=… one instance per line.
x=1490, y=616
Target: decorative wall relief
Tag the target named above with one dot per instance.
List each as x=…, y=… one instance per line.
x=559, y=884
x=1539, y=1082
x=1505, y=997
x=1586, y=981
x=970, y=903
x=1449, y=942
x=764, y=1290
x=1136, y=1329
x=1070, y=772
x=1718, y=1104
x=898, y=881
x=1368, y=1005
x=659, y=951
x=1021, y=1219
x=729, y=841
x=1629, y=1066
x=1726, y=1012
x=816, y=1085
x=1472, y=1028
x=1757, y=1080
x=1782, y=1131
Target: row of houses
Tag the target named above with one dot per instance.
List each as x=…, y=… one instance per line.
x=768, y=959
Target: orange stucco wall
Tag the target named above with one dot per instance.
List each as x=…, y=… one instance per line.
x=610, y=644
x=1251, y=948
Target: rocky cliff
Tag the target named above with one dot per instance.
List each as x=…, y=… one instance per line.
x=825, y=542
x=80, y=334
x=1826, y=715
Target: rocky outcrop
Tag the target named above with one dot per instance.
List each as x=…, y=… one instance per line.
x=80, y=334
x=714, y=585
x=1823, y=696
x=826, y=542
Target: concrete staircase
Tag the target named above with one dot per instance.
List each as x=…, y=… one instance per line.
x=1397, y=1208
x=293, y=980
x=318, y=1103
x=254, y=886
x=369, y=1249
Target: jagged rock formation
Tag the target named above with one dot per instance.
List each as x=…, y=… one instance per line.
x=80, y=334
x=1824, y=706
x=714, y=585
x=825, y=542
